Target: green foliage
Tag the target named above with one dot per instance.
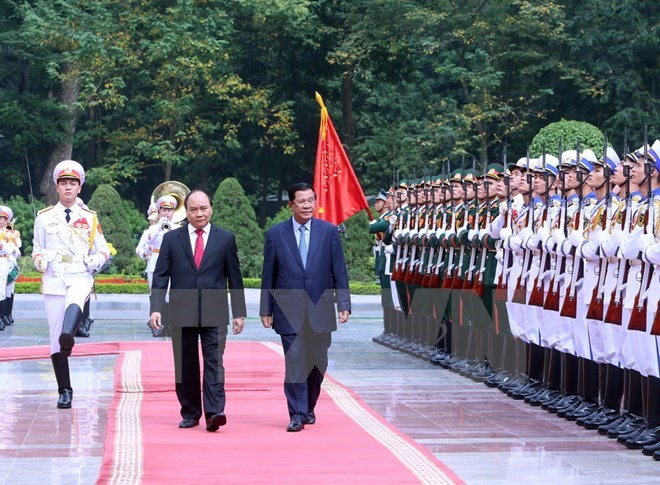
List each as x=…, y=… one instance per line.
x=357, y=248
x=24, y=214
x=232, y=211
x=113, y=218
x=282, y=215
x=567, y=134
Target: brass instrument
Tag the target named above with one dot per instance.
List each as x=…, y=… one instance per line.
x=177, y=190
x=164, y=225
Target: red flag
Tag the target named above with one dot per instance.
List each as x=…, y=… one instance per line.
x=338, y=191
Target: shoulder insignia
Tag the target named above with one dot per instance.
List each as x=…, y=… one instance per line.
x=45, y=209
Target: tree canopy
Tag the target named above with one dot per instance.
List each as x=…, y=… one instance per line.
x=198, y=91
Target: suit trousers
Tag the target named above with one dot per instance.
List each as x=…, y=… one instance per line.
x=306, y=361
x=185, y=344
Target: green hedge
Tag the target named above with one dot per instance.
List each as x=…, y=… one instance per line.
x=357, y=288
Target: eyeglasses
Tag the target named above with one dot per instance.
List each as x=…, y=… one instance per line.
x=302, y=203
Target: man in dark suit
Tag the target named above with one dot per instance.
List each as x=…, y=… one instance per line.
x=197, y=261
x=304, y=273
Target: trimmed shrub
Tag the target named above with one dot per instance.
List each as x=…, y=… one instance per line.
x=113, y=217
x=567, y=133
x=233, y=212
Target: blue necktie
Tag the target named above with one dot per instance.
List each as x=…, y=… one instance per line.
x=302, y=245
x=67, y=218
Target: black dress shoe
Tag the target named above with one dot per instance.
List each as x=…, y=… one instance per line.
x=188, y=423
x=81, y=332
x=215, y=421
x=296, y=424
x=631, y=424
x=64, y=401
x=645, y=438
x=311, y=418
x=649, y=450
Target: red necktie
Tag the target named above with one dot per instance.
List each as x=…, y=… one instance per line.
x=199, y=247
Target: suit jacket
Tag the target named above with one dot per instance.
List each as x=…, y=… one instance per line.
x=292, y=293
x=198, y=295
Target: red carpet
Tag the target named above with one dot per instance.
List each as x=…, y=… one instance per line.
x=349, y=442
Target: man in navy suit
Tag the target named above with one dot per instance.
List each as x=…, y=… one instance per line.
x=304, y=273
x=197, y=261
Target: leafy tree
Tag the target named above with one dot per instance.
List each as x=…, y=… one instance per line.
x=232, y=211
x=113, y=217
x=567, y=134
x=357, y=248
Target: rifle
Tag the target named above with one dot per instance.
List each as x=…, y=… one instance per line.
x=480, y=285
x=434, y=280
x=409, y=270
x=428, y=223
x=503, y=277
x=538, y=290
x=457, y=280
x=614, y=312
x=468, y=283
x=569, y=308
x=638, y=314
x=448, y=281
x=552, y=299
x=595, y=310
x=396, y=273
x=520, y=293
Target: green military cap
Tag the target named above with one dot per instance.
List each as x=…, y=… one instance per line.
x=392, y=191
x=403, y=183
x=456, y=176
x=382, y=195
x=494, y=171
x=470, y=175
x=437, y=181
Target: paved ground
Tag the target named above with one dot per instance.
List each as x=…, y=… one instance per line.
x=485, y=437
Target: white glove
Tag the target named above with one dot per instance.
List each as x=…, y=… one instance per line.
x=389, y=249
x=611, y=244
x=514, y=243
x=41, y=263
x=472, y=233
x=575, y=237
x=532, y=242
x=549, y=245
x=94, y=262
x=483, y=233
x=505, y=233
x=525, y=233
x=629, y=247
x=597, y=236
x=558, y=236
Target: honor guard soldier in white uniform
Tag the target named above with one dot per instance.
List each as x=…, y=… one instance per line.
x=149, y=246
x=10, y=244
x=68, y=248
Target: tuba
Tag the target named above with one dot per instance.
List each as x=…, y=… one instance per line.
x=177, y=190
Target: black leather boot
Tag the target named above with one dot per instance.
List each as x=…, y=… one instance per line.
x=10, y=309
x=61, y=368
x=72, y=320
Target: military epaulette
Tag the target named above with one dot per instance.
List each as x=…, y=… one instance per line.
x=89, y=210
x=45, y=209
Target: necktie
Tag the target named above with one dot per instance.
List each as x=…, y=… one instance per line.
x=199, y=247
x=302, y=245
x=67, y=218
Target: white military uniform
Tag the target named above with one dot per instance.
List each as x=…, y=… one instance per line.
x=66, y=248
x=10, y=244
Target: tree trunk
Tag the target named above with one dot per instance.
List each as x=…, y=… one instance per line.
x=348, y=116
x=67, y=96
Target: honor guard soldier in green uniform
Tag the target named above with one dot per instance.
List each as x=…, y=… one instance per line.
x=379, y=228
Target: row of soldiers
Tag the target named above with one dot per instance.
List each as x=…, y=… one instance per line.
x=540, y=278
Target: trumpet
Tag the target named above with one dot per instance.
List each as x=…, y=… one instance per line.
x=164, y=225
x=10, y=225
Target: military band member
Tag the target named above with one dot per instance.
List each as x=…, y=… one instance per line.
x=10, y=244
x=68, y=247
